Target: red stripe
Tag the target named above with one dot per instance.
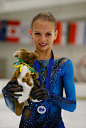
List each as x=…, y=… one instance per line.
x=59, y=28
x=13, y=22
x=72, y=33
x=11, y=39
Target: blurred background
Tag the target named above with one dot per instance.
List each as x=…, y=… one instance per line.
x=15, y=23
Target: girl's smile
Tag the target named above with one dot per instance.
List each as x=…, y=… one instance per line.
x=42, y=44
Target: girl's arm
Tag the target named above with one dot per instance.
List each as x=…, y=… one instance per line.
x=68, y=103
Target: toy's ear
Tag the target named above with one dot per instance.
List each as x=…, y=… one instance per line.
x=15, y=54
x=27, y=73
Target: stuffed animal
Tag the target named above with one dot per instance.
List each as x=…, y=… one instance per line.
x=25, y=76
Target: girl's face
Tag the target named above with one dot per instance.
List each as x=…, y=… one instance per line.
x=43, y=34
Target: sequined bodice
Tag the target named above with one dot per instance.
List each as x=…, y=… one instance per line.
x=43, y=65
x=56, y=75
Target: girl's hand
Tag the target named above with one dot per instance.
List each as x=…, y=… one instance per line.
x=40, y=94
x=12, y=87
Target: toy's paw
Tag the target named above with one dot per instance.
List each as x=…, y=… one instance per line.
x=30, y=84
x=35, y=76
x=18, y=107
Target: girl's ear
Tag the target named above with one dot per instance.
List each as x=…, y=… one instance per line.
x=31, y=33
x=56, y=34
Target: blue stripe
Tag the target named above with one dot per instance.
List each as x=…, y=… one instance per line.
x=3, y=30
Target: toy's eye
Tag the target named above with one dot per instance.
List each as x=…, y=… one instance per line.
x=27, y=53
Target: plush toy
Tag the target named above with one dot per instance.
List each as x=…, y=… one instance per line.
x=25, y=76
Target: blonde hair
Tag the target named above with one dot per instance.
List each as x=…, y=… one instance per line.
x=45, y=16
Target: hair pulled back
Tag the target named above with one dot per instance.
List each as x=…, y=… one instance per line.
x=47, y=16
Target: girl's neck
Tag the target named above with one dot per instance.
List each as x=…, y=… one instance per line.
x=44, y=55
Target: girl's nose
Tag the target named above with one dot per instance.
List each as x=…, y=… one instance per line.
x=42, y=38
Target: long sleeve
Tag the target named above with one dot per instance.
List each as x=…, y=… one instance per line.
x=68, y=103
x=8, y=100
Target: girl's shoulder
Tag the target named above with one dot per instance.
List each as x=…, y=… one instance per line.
x=61, y=60
x=62, y=64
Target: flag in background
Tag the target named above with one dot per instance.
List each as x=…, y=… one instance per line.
x=13, y=31
x=64, y=33
x=68, y=32
x=25, y=37
x=79, y=32
x=72, y=33
x=3, y=30
x=59, y=28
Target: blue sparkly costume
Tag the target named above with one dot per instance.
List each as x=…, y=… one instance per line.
x=62, y=77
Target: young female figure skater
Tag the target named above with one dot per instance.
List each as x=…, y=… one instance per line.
x=55, y=73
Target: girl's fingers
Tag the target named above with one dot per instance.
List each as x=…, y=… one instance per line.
x=15, y=89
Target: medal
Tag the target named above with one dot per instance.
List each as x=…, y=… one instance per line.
x=41, y=109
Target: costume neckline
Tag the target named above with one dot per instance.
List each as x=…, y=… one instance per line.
x=49, y=59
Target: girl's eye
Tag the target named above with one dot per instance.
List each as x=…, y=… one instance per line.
x=37, y=33
x=48, y=34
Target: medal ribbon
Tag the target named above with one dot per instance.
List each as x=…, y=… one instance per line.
x=48, y=72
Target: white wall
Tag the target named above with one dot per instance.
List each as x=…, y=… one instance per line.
x=65, y=12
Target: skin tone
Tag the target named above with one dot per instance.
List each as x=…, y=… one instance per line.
x=43, y=35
